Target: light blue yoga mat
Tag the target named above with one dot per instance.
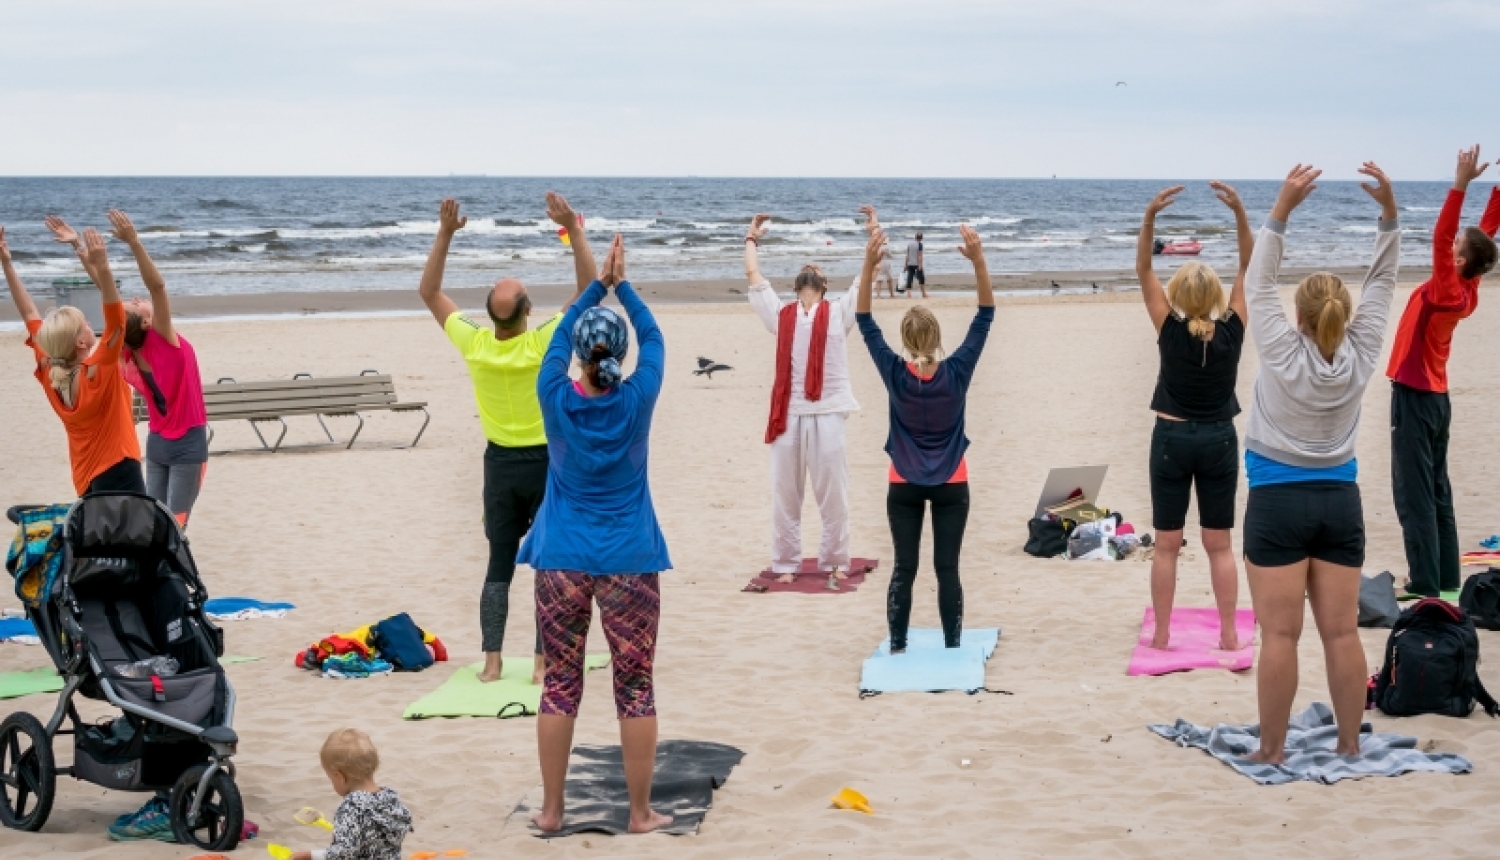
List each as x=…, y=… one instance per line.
x=928, y=667
x=224, y=606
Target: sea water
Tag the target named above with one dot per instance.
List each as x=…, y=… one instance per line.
x=238, y=235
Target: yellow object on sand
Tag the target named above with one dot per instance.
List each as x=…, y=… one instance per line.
x=848, y=798
x=312, y=818
x=280, y=852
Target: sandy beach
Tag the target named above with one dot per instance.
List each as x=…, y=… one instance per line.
x=1062, y=767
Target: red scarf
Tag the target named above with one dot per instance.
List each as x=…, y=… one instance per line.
x=781, y=392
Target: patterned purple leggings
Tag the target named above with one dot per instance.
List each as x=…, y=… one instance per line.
x=629, y=608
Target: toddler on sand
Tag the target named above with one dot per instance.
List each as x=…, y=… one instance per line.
x=370, y=822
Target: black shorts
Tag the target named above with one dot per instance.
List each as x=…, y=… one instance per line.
x=1187, y=452
x=1287, y=523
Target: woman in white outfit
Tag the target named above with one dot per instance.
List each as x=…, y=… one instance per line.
x=809, y=402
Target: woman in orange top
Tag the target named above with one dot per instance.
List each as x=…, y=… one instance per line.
x=81, y=375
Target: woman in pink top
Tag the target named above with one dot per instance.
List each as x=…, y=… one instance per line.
x=161, y=366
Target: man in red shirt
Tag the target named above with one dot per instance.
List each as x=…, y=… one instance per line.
x=1420, y=412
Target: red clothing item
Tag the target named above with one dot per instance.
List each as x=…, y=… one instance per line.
x=1424, y=338
x=781, y=392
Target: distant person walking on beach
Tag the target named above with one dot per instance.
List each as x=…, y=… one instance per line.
x=916, y=265
x=883, y=273
x=809, y=402
x=1198, y=336
x=80, y=374
x=1304, y=523
x=596, y=537
x=1420, y=411
x=503, y=364
x=926, y=441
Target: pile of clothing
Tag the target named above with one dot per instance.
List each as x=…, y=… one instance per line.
x=395, y=644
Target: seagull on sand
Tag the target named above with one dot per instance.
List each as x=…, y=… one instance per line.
x=707, y=366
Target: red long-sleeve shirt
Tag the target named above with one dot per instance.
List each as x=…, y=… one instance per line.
x=1419, y=356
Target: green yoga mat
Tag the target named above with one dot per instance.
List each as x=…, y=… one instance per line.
x=15, y=684
x=464, y=695
x=232, y=659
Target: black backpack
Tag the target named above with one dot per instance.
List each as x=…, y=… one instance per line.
x=1431, y=661
x=1481, y=599
x=1047, y=538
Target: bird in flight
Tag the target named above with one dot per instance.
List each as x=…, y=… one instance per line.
x=707, y=366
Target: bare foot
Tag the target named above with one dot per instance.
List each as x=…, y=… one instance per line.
x=548, y=822
x=1229, y=643
x=491, y=671
x=656, y=821
x=1266, y=757
x=1160, y=640
x=1347, y=752
x=787, y=577
x=840, y=573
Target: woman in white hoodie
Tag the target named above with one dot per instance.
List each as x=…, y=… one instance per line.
x=1304, y=525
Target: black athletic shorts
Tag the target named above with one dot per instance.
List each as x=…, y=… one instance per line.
x=1287, y=523
x=1187, y=452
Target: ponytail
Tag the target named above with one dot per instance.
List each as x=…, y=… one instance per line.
x=58, y=339
x=602, y=368
x=922, y=338
x=1324, y=306
x=1196, y=292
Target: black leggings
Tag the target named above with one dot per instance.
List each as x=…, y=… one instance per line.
x=123, y=477
x=514, y=481
x=906, y=506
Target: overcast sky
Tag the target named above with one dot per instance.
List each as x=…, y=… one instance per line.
x=1212, y=88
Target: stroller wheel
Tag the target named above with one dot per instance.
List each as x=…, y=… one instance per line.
x=28, y=777
x=221, y=813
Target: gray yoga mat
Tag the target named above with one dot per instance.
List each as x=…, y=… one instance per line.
x=594, y=797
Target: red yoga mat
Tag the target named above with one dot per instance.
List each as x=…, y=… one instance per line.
x=810, y=580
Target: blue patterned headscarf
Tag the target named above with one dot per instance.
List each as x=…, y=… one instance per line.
x=601, y=326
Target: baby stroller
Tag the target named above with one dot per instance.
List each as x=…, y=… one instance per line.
x=116, y=600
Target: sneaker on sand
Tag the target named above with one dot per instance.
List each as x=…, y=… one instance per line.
x=149, y=822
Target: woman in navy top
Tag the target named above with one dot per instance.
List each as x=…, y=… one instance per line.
x=595, y=537
x=926, y=441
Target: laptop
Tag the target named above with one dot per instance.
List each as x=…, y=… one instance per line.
x=1063, y=483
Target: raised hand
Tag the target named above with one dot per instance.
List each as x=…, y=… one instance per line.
x=874, y=248
x=618, y=249
x=1300, y=182
x=449, y=221
x=1381, y=191
x=871, y=219
x=61, y=232
x=560, y=212
x=759, y=227
x=1227, y=195
x=1164, y=198
x=93, y=252
x=123, y=229
x=4, y=247
x=972, y=250
x=1469, y=167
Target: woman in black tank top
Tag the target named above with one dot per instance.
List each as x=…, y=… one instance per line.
x=1198, y=335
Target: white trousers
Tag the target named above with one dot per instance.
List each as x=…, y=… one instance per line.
x=812, y=446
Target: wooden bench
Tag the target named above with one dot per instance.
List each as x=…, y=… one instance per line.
x=303, y=394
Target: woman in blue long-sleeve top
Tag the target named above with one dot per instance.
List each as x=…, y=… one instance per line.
x=926, y=441
x=596, y=537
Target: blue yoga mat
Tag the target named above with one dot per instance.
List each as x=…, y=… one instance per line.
x=231, y=605
x=13, y=627
x=927, y=666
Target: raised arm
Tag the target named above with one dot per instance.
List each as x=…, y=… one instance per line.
x=1366, y=330
x=161, y=306
x=886, y=360
x=1151, y=290
x=24, y=305
x=966, y=356
x=1491, y=220
x=1446, y=288
x=867, y=274
x=764, y=299
x=1245, y=239
x=585, y=271
x=1275, y=338
x=431, y=286
x=973, y=251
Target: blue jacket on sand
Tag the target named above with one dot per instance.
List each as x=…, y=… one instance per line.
x=597, y=517
x=926, y=440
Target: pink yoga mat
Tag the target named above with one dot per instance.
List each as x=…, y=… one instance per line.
x=1194, y=643
x=811, y=581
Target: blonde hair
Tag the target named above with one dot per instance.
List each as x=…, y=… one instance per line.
x=922, y=337
x=351, y=753
x=1197, y=293
x=1324, y=307
x=58, y=338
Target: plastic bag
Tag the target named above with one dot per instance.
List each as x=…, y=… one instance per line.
x=160, y=667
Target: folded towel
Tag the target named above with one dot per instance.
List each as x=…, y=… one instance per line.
x=244, y=608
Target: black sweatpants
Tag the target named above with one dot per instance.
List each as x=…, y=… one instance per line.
x=1419, y=481
x=514, y=481
x=915, y=272
x=123, y=477
x=905, y=507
